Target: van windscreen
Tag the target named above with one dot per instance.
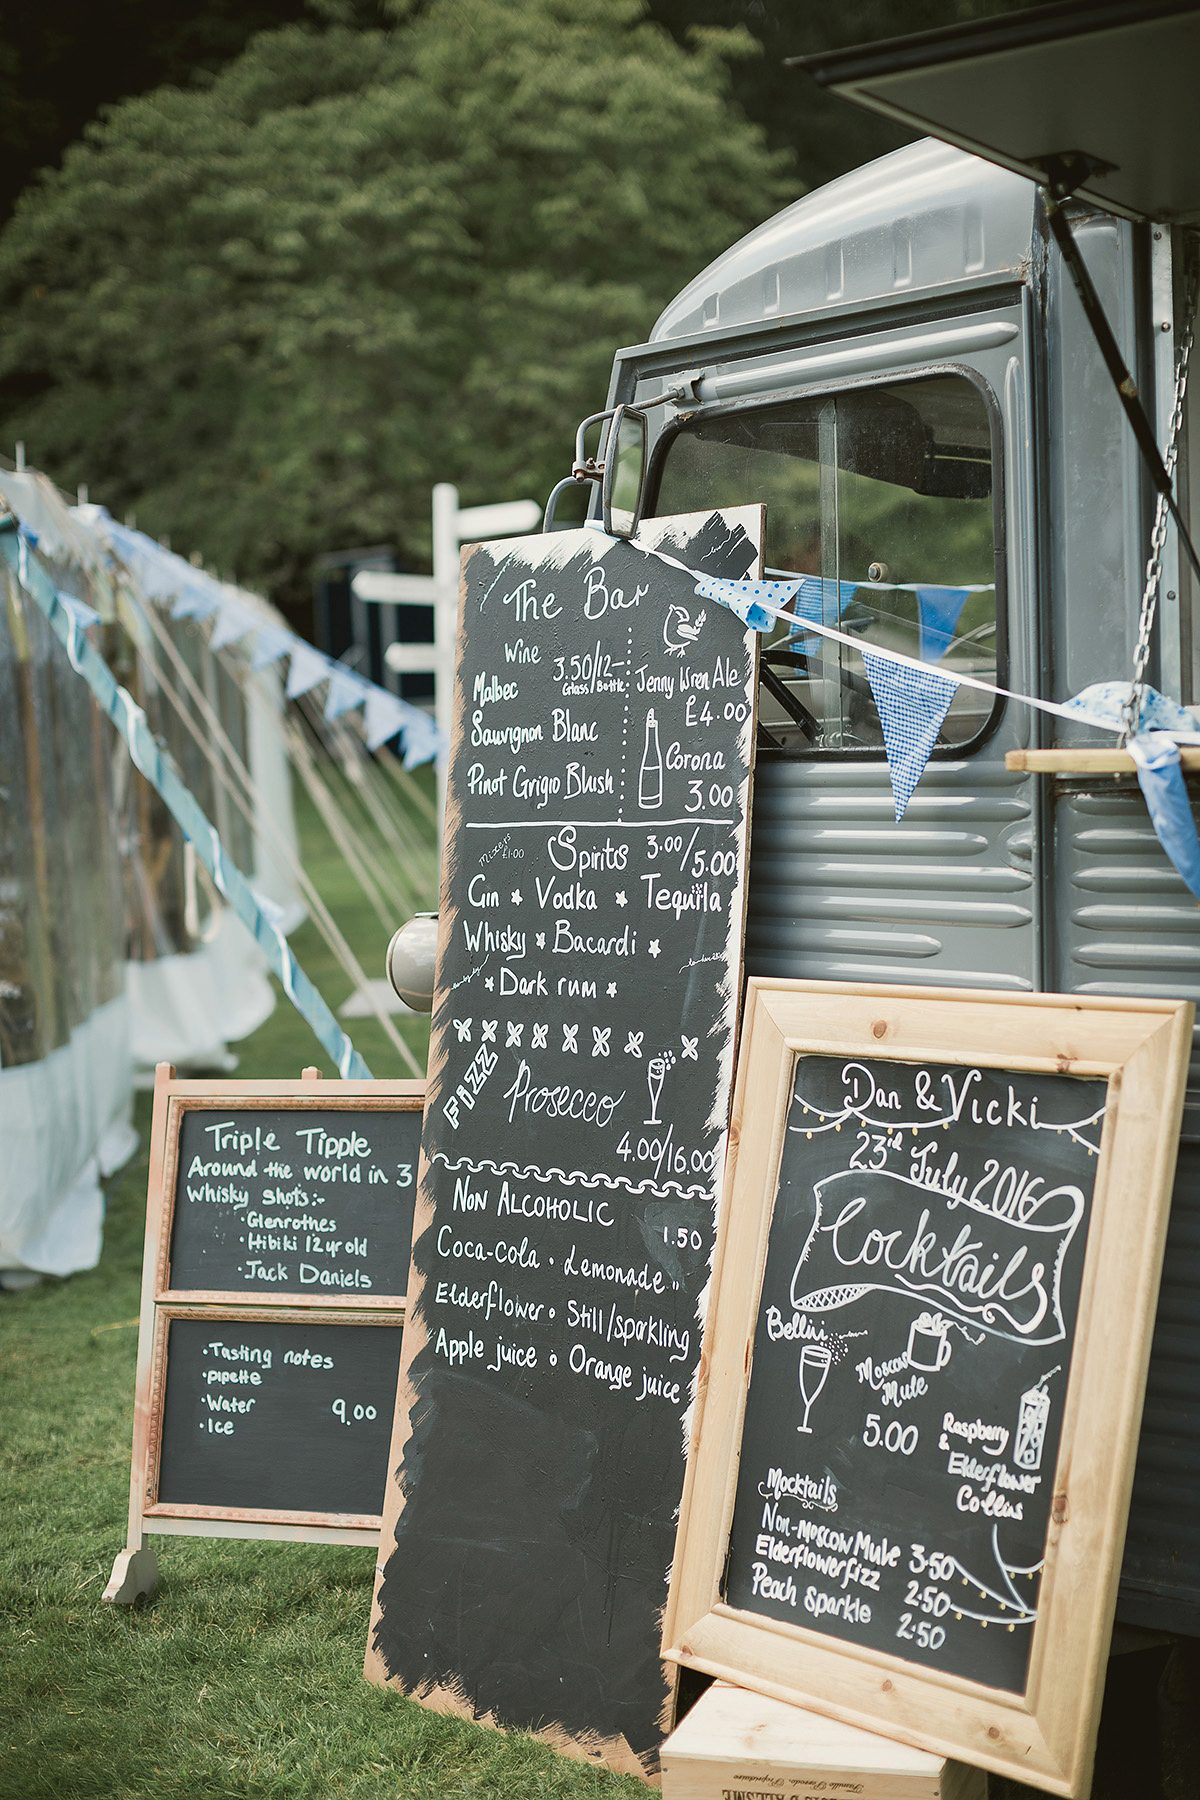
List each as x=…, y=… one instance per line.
x=882, y=497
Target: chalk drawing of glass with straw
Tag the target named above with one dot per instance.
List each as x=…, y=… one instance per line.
x=814, y=1368
x=656, y=1074
x=1031, y=1424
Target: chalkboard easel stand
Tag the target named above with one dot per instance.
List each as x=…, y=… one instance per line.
x=135, y=1569
x=166, y=1303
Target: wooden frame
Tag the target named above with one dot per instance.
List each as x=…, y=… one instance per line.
x=196, y=1521
x=172, y=1099
x=135, y=1569
x=1088, y=761
x=1045, y=1735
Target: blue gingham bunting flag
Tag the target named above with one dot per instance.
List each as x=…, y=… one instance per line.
x=912, y=704
x=200, y=597
x=383, y=716
x=938, y=612
x=821, y=602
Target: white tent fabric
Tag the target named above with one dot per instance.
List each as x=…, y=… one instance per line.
x=64, y=1121
x=183, y=1008
x=65, y=1110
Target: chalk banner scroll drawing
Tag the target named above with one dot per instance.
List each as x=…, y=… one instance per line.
x=943, y=1241
x=278, y=1232
x=580, y=1071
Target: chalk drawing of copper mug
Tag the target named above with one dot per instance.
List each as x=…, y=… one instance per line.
x=929, y=1343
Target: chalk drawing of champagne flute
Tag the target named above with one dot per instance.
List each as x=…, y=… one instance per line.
x=814, y=1369
x=656, y=1074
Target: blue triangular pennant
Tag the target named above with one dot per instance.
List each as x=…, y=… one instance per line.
x=821, y=602
x=912, y=704
x=199, y=595
x=1160, y=777
x=270, y=643
x=308, y=668
x=383, y=716
x=233, y=621
x=80, y=611
x=346, y=691
x=422, y=740
x=938, y=612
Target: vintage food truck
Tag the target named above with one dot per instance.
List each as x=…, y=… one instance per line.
x=900, y=368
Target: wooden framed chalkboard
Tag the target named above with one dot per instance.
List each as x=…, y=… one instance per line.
x=934, y=1292
x=289, y=1193
x=271, y=1417
x=278, y=1237
x=581, y=1062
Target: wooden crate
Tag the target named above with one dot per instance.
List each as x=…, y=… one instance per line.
x=739, y=1745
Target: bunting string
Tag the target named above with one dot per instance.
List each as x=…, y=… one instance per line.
x=765, y=598
x=68, y=619
x=191, y=593
x=913, y=698
x=229, y=769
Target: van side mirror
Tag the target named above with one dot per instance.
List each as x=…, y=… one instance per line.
x=622, y=487
x=620, y=469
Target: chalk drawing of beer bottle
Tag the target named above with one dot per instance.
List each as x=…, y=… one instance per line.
x=650, y=781
x=1032, y=1420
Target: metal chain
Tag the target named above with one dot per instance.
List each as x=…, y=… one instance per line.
x=1131, y=710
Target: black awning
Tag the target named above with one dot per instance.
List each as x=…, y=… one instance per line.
x=1118, y=83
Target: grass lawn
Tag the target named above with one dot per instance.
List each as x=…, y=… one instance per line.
x=242, y=1676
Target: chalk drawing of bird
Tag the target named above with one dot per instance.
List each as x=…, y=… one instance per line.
x=678, y=629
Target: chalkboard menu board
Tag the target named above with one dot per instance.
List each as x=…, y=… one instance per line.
x=294, y=1199
x=264, y=1416
x=911, y=1357
x=941, y=1245
x=278, y=1221
x=580, y=1070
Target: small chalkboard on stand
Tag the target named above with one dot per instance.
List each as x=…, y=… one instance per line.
x=278, y=1233
x=935, y=1284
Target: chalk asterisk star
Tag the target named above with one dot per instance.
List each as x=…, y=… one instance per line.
x=654, y=947
x=612, y=990
x=516, y=896
x=488, y=983
x=621, y=898
x=540, y=940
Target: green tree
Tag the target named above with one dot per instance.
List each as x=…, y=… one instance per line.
x=61, y=60
x=270, y=312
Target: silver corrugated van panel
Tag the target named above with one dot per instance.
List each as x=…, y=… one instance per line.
x=839, y=891
x=1127, y=925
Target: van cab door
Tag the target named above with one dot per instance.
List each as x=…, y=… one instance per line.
x=893, y=462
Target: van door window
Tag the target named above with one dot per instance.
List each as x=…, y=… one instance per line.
x=882, y=495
